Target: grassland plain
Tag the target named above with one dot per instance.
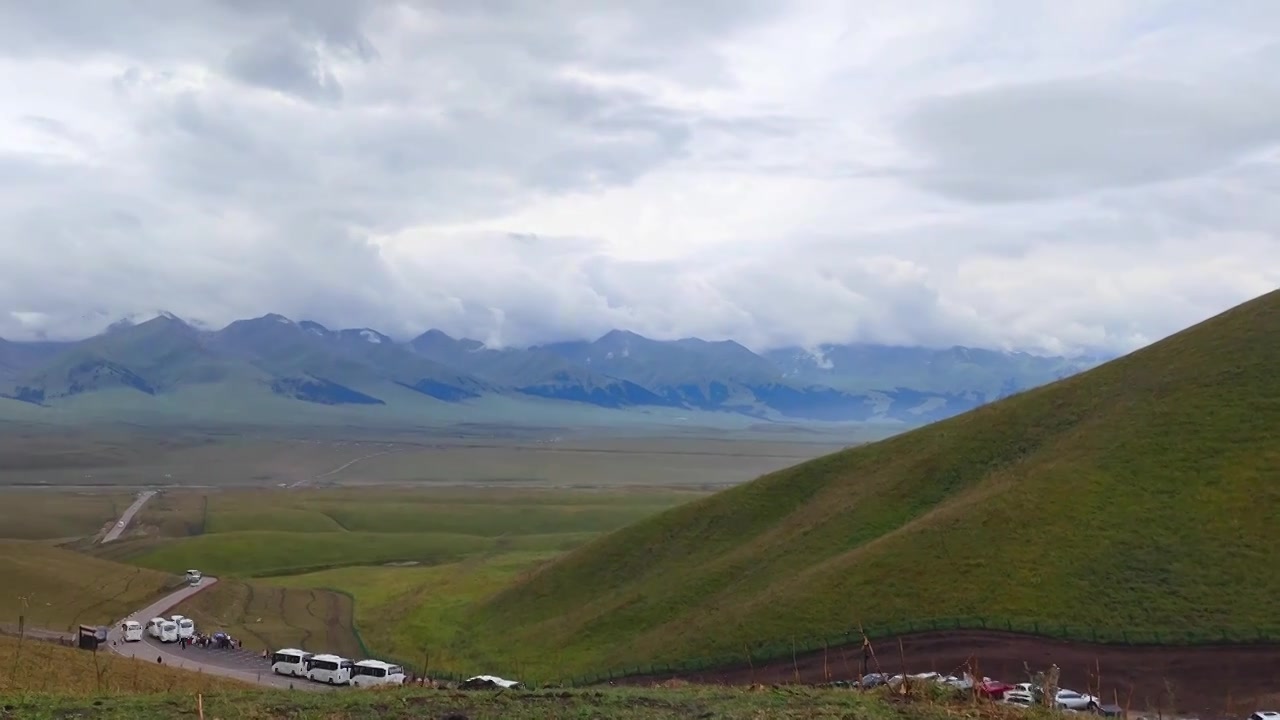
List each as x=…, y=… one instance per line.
x=58, y=589
x=1139, y=495
x=229, y=456
x=33, y=672
x=274, y=531
x=615, y=703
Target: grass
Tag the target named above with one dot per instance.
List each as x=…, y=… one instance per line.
x=421, y=612
x=230, y=456
x=46, y=515
x=263, y=616
x=31, y=671
x=269, y=532
x=1140, y=494
x=261, y=553
x=58, y=589
x=616, y=704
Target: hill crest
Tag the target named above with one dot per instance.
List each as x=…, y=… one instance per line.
x=1135, y=495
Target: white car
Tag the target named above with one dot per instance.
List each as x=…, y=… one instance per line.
x=1072, y=700
x=1265, y=715
x=1018, y=697
x=368, y=673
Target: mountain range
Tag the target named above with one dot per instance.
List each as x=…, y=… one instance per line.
x=309, y=363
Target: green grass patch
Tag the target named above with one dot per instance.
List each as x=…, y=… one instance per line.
x=1137, y=497
x=489, y=520
x=420, y=614
x=265, y=553
x=271, y=617
x=271, y=518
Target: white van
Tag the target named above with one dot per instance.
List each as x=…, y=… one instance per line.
x=368, y=673
x=168, y=631
x=132, y=630
x=290, y=662
x=193, y=577
x=186, y=628
x=330, y=669
x=153, y=627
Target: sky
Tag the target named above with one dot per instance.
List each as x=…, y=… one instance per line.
x=1042, y=176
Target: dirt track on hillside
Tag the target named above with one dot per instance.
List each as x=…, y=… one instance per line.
x=1208, y=680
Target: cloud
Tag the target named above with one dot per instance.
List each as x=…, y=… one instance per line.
x=1078, y=135
x=1059, y=178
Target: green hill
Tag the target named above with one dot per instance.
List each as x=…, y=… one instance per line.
x=1141, y=494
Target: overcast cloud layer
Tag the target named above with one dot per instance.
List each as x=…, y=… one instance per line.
x=1046, y=176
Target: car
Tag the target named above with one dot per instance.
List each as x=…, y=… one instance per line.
x=1072, y=700
x=1018, y=697
x=993, y=689
x=1265, y=715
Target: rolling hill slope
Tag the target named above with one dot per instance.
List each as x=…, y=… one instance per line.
x=1140, y=494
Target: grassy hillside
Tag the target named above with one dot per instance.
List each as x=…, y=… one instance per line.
x=1141, y=494
x=45, y=515
x=263, y=616
x=32, y=667
x=57, y=589
x=412, y=612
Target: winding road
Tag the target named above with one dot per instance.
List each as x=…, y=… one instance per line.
x=244, y=665
x=123, y=523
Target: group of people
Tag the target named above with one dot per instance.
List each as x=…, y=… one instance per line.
x=217, y=641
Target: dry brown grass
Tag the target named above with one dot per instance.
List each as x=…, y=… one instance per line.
x=29, y=666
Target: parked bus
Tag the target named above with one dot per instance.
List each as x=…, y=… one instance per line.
x=132, y=630
x=290, y=662
x=368, y=673
x=153, y=627
x=330, y=669
x=168, y=631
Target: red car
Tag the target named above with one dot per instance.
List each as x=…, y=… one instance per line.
x=994, y=689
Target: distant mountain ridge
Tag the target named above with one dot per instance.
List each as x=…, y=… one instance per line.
x=307, y=362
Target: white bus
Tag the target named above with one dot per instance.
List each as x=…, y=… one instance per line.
x=368, y=673
x=132, y=630
x=290, y=662
x=330, y=669
x=168, y=631
x=153, y=627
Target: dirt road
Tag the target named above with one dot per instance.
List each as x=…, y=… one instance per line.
x=123, y=523
x=341, y=467
x=244, y=665
x=1209, y=681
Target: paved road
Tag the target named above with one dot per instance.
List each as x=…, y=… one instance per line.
x=127, y=517
x=244, y=665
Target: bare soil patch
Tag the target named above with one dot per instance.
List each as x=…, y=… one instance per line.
x=1205, y=680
